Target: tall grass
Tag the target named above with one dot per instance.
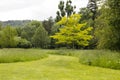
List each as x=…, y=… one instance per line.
x=67, y=52
x=101, y=58
x=20, y=55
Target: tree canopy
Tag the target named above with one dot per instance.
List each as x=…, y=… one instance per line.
x=72, y=32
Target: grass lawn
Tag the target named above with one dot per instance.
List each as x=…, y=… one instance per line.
x=55, y=67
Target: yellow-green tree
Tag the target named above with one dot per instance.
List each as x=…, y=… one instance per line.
x=73, y=32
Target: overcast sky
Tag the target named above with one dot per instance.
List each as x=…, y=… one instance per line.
x=32, y=9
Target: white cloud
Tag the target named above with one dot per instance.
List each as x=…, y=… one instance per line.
x=32, y=9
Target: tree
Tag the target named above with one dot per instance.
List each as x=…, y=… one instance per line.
x=69, y=8
x=19, y=30
x=54, y=29
x=7, y=36
x=22, y=43
x=85, y=15
x=64, y=10
x=103, y=30
x=47, y=24
x=1, y=39
x=29, y=30
x=111, y=32
x=94, y=13
x=40, y=38
x=92, y=5
x=0, y=26
x=73, y=33
x=114, y=21
x=114, y=18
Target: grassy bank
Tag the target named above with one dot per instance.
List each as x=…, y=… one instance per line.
x=18, y=55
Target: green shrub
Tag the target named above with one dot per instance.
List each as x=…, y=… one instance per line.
x=101, y=58
x=23, y=43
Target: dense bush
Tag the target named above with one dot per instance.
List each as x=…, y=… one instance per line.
x=7, y=35
x=20, y=55
x=101, y=58
x=22, y=43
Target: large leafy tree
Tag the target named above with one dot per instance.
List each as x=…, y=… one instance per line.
x=110, y=13
x=73, y=33
x=7, y=37
x=103, y=30
x=29, y=30
x=47, y=24
x=114, y=14
x=40, y=38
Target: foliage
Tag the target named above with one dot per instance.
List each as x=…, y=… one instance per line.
x=7, y=36
x=47, y=24
x=0, y=26
x=92, y=5
x=20, y=55
x=22, y=43
x=72, y=33
x=64, y=10
x=114, y=21
x=85, y=14
x=19, y=31
x=10, y=39
x=40, y=38
x=69, y=8
x=107, y=24
x=29, y=30
x=102, y=27
x=54, y=29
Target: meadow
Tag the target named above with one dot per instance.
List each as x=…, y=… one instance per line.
x=20, y=55
x=40, y=64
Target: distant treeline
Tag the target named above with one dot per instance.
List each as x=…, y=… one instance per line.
x=25, y=33
x=15, y=23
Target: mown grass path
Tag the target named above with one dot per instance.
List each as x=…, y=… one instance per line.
x=55, y=67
